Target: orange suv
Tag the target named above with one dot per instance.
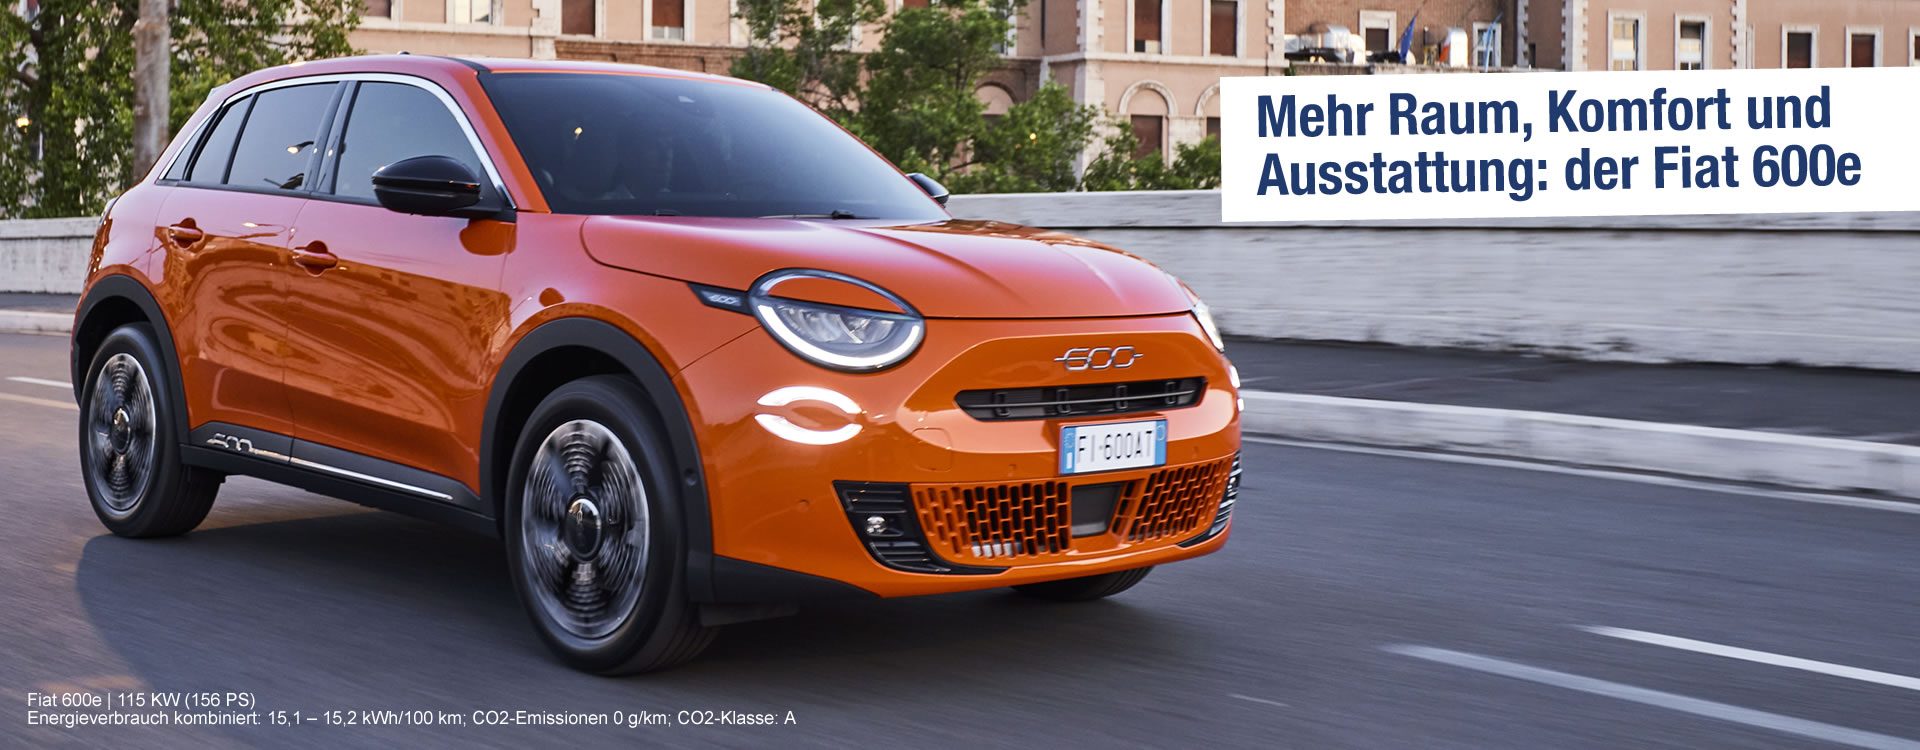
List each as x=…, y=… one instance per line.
x=694, y=352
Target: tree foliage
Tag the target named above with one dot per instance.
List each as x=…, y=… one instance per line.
x=1030, y=149
x=914, y=98
x=1196, y=166
x=804, y=47
x=69, y=78
x=920, y=107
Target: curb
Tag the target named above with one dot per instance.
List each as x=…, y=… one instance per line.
x=23, y=321
x=1813, y=463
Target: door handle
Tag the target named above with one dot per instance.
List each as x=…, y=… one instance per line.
x=314, y=257
x=185, y=234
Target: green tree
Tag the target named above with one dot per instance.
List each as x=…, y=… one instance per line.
x=920, y=107
x=67, y=145
x=1030, y=149
x=803, y=47
x=1196, y=166
x=914, y=98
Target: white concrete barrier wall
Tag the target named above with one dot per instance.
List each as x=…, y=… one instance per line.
x=45, y=255
x=1829, y=290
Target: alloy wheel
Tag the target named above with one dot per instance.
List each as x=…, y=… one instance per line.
x=120, y=428
x=584, y=529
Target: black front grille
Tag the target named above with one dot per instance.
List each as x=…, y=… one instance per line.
x=1081, y=400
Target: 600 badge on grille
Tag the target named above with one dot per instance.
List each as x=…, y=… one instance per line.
x=1099, y=358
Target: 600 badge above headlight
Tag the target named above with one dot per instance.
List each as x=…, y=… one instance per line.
x=842, y=337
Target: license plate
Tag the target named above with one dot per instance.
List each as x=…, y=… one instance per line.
x=1087, y=448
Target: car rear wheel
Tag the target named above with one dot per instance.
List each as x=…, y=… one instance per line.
x=134, y=477
x=1087, y=588
x=594, y=534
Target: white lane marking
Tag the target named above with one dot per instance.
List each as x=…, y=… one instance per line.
x=1671, y=701
x=1761, y=657
x=1252, y=699
x=39, y=401
x=42, y=381
x=1894, y=506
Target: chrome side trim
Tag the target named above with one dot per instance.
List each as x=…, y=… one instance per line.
x=446, y=100
x=422, y=491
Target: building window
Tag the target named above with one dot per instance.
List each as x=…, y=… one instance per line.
x=1223, y=29
x=1863, y=48
x=1213, y=127
x=1146, y=25
x=1798, y=48
x=1486, y=45
x=1007, y=45
x=1690, y=45
x=470, y=11
x=1623, y=49
x=1913, y=48
x=578, y=17
x=376, y=8
x=1376, y=26
x=1150, y=130
x=669, y=20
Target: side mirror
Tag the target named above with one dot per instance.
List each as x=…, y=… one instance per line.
x=935, y=190
x=429, y=186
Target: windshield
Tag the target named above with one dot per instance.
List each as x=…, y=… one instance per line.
x=629, y=144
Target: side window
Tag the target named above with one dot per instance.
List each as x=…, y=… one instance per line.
x=208, y=166
x=394, y=121
x=277, y=145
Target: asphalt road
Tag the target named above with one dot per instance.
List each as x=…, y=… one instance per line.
x=1367, y=601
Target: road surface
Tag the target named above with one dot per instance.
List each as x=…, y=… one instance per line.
x=1366, y=600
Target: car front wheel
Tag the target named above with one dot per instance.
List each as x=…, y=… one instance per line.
x=594, y=534
x=134, y=476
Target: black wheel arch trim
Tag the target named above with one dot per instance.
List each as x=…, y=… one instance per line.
x=129, y=289
x=641, y=363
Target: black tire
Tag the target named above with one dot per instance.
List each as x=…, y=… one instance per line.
x=587, y=550
x=1085, y=589
x=129, y=456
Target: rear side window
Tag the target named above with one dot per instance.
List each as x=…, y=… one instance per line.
x=209, y=164
x=390, y=122
x=278, y=144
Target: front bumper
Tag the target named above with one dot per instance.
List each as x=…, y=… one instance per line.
x=984, y=496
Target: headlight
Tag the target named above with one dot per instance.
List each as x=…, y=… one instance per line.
x=1205, y=316
x=1202, y=314
x=843, y=338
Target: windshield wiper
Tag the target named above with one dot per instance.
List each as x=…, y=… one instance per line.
x=836, y=214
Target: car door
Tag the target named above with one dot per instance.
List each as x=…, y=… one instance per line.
x=392, y=314
x=224, y=230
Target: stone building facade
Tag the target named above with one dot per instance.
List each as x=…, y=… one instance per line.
x=1158, y=63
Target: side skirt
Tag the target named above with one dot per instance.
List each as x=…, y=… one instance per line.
x=336, y=473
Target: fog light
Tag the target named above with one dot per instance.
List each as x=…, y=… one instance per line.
x=876, y=526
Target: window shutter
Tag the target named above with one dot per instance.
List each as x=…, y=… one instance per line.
x=670, y=14
x=1226, y=27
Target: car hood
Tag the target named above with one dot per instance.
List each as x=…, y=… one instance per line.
x=950, y=269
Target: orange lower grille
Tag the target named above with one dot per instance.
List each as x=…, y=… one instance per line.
x=1175, y=502
x=1032, y=521
x=989, y=521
